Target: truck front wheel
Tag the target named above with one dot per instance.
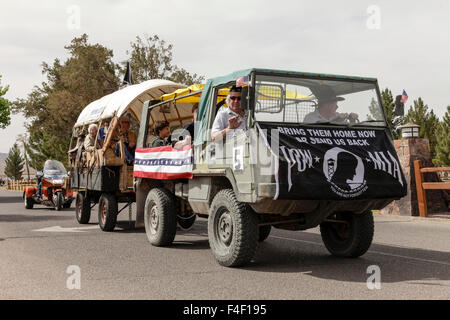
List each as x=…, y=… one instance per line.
x=350, y=236
x=232, y=230
x=160, y=217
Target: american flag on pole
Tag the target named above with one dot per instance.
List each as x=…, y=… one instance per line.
x=164, y=163
x=404, y=97
x=242, y=81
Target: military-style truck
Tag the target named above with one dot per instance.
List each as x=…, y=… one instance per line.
x=316, y=150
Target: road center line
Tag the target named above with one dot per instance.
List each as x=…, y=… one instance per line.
x=371, y=251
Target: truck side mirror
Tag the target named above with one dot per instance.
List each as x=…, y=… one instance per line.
x=399, y=106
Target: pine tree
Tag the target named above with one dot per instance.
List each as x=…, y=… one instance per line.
x=443, y=142
x=14, y=163
x=392, y=120
x=427, y=121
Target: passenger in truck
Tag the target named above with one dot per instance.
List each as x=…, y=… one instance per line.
x=162, y=133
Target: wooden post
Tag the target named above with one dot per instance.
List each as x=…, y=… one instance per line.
x=421, y=195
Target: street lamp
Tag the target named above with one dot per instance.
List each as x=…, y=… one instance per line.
x=410, y=130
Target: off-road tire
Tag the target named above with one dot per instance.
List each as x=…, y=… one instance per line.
x=107, y=212
x=82, y=208
x=348, y=241
x=160, y=217
x=29, y=203
x=264, y=232
x=232, y=230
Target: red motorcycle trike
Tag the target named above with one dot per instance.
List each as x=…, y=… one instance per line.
x=50, y=190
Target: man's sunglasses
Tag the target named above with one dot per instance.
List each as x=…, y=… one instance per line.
x=235, y=98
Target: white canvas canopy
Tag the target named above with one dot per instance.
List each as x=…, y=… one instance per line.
x=129, y=99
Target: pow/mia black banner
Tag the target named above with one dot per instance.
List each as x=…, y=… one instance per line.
x=334, y=163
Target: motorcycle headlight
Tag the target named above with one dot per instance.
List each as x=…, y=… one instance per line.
x=58, y=181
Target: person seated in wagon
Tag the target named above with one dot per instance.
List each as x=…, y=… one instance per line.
x=129, y=140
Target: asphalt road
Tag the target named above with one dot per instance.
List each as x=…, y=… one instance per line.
x=413, y=255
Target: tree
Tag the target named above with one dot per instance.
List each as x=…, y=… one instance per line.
x=389, y=110
x=14, y=163
x=392, y=119
x=427, y=121
x=151, y=58
x=5, y=107
x=443, y=141
x=23, y=139
x=87, y=75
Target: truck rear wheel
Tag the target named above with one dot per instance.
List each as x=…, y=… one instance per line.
x=160, y=217
x=107, y=212
x=83, y=208
x=232, y=230
x=264, y=232
x=349, y=237
x=186, y=223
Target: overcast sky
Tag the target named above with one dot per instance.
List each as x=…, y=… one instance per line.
x=404, y=44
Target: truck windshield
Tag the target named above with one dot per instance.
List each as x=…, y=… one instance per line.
x=308, y=101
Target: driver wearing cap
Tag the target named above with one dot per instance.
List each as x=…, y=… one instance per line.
x=326, y=109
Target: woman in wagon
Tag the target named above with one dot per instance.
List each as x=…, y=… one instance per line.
x=89, y=142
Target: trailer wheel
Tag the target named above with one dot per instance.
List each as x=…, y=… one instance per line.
x=83, y=208
x=107, y=212
x=29, y=203
x=160, y=217
x=264, y=232
x=232, y=230
x=349, y=237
